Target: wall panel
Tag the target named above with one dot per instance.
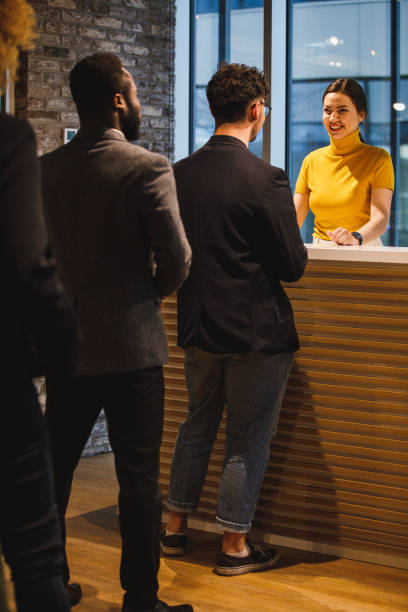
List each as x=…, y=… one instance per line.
x=337, y=480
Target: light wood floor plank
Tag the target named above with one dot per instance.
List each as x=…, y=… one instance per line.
x=301, y=582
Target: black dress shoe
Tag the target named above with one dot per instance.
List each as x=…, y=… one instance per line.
x=163, y=607
x=74, y=593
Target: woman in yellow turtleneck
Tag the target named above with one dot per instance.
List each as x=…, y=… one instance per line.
x=348, y=185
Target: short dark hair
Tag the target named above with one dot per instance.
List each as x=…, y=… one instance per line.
x=232, y=88
x=350, y=88
x=94, y=80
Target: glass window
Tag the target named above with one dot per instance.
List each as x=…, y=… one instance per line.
x=225, y=30
x=363, y=39
x=206, y=60
x=331, y=39
x=401, y=111
x=246, y=44
x=246, y=34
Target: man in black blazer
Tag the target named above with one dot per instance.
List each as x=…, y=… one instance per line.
x=114, y=225
x=235, y=321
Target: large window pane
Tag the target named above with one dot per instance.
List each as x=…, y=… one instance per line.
x=246, y=44
x=225, y=30
x=206, y=60
x=332, y=39
x=246, y=35
x=402, y=118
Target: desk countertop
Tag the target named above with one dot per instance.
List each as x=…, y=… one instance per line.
x=375, y=254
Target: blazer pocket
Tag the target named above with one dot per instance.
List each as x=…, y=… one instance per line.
x=273, y=327
x=282, y=315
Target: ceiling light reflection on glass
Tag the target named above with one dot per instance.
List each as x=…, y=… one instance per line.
x=335, y=41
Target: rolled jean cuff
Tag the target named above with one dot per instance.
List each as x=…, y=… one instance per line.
x=228, y=526
x=175, y=506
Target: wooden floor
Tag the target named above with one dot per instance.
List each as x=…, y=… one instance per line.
x=301, y=582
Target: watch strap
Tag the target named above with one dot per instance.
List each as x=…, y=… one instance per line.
x=358, y=236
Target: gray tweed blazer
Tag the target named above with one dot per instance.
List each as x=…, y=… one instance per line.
x=114, y=227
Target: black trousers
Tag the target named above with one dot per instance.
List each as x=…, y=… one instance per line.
x=29, y=527
x=133, y=404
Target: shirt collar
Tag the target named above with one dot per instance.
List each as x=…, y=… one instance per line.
x=94, y=133
x=221, y=139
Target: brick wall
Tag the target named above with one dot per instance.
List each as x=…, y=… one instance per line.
x=98, y=441
x=141, y=33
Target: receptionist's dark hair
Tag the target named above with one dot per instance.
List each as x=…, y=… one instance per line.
x=352, y=89
x=232, y=88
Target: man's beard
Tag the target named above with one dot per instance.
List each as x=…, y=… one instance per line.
x=130, y=123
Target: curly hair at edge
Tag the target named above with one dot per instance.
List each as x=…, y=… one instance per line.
x=232, y=88
x=17, y=21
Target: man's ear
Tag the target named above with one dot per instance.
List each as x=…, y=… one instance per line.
x=253, y=112
x=118, y=101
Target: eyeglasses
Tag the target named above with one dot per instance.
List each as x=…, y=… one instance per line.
x=267, y=108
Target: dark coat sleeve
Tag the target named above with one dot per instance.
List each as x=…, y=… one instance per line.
x=284, y=254
x=35, y=299
x=172, y=252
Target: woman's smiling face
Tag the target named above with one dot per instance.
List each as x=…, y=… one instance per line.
x=340, y=116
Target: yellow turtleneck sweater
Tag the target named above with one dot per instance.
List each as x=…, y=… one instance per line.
x=339, y=180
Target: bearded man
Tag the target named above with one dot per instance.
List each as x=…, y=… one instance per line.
x=112, y=214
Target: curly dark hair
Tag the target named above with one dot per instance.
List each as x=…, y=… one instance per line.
x=232, y=88
x=94, y=80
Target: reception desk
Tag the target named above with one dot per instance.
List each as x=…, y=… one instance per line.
x=337, y=481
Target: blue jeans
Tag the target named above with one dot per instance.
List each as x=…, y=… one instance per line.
x=252, y=386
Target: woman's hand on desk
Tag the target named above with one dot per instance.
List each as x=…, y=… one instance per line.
x=341, y=235
x=379, y=215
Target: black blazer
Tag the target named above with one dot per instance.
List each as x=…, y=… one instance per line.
x=36, y=320
x=241, y=223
